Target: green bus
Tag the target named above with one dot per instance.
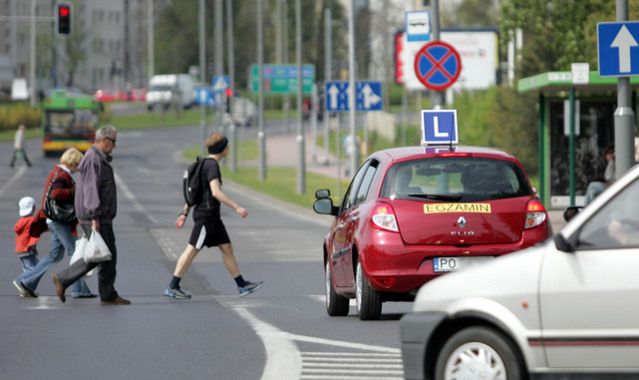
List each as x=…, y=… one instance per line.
x=69, y=120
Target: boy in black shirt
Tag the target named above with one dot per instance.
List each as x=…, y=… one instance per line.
x=209, y=231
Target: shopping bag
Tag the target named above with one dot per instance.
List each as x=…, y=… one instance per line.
x=96, y=249
x=80, y=247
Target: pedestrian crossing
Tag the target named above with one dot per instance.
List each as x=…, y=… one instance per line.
x=318, y=365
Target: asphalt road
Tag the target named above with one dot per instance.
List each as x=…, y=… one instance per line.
x=280, y=332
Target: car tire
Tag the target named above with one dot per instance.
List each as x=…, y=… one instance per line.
x=336, y=305
x=466, y=351
x=368, y=300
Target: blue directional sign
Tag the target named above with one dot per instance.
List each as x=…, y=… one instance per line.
x=439, y=127
x=368, y=96
x=618, y=49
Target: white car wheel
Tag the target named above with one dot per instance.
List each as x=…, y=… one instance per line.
x=479, y=352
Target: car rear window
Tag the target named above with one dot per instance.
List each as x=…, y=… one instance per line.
x=462, y=179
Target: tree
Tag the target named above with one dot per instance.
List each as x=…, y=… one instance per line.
x=75, y=47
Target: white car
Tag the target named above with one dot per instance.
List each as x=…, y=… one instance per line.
x=567, y=308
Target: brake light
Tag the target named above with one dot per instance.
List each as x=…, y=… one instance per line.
x=535, y=214
x=383, y=217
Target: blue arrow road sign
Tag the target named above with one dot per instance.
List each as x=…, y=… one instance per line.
x=368, y=96
x=439, y=127
x=618, y=48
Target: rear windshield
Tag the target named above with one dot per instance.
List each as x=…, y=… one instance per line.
x=460, y=179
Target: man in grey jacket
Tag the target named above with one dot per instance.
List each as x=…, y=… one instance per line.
x=96, y=207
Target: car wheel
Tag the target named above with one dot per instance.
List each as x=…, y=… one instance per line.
x=336, y=305
x=369, y=302
x=479, y=352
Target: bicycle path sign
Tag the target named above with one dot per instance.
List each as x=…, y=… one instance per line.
x=437, y=65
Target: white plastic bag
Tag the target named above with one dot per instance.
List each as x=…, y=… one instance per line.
x=96, y=250
x=80, y=247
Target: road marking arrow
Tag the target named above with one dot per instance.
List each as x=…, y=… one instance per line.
x=624, y=41
x=333, y=93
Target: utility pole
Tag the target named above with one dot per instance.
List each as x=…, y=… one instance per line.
x=219, y=57
x=287, y=97
x=32, y=51
x=150, y=42
x=354, y=158
x=202, y=10
x=301, y=166
x=278, y=31
x=328, y=61
x=260, y=113
x=231, y=68
x=437, y=96
x=624, y=115
x=127, y=45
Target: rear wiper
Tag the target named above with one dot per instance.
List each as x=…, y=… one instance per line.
x=437, y=197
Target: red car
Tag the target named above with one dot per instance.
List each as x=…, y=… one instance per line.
x=413, y=214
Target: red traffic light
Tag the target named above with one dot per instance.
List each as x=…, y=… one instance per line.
x=64, y=11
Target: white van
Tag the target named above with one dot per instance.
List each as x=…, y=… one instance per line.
x=19, y=89
x=168, y=89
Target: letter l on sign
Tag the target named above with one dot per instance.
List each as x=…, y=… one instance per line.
x=437, y=132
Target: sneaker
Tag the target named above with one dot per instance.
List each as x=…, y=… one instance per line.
x=249, y=288
x=176, y=293
x=24, y=290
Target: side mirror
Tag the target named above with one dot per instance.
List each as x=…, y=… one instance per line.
x=322, y=193
x=570, y=212
x=325, y=206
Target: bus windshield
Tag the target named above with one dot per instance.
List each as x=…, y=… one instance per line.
x=70, y=123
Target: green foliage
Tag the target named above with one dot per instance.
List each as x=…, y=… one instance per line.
x=502, y=118
x=12, y=115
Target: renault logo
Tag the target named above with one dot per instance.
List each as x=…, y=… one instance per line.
x=461, y=222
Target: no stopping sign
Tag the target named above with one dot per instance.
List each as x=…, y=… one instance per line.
x=437, y=65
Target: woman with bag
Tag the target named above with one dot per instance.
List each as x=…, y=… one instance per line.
x=58, y=211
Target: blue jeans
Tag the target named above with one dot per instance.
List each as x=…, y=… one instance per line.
x=28, y=262
x=61, y=240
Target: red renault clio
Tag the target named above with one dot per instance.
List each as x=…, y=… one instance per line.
x=412, y=214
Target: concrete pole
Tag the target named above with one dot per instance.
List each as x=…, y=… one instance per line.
x=328, y=62
x=150, y=42
x=624, y=115
x=571, y=146
x=260, y=112
x=301, y=151
x=219, y=57
x=231, y=68
x=202, y=21
x=32, y=53
x=437, y=96
x=354, y=158
x=314, y=100
x=287, y=98
x=278, y=31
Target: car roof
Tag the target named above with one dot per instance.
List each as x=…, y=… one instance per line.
x=412, y=152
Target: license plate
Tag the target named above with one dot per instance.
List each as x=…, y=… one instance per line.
x=451, y=264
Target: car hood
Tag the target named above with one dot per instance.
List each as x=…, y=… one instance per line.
x=509, y=280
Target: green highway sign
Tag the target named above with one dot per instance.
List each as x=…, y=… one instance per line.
x=282, y=79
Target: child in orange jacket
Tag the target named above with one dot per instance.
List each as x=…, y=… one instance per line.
x=25, y=243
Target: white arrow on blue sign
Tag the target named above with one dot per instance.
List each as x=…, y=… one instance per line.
x=368, y=96
x=618, y=48
x=439, y=127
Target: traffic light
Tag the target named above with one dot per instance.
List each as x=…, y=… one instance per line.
x=63, y=18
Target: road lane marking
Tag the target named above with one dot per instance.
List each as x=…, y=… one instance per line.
x=129, y=195
x=14, y=178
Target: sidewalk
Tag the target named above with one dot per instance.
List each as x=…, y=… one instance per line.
x=282, y=151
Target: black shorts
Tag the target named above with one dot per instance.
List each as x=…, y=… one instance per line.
x=209, y=234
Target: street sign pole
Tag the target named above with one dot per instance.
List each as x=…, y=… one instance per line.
x=219, y=57
x=354, y=158
x=328, y=60
x=202, y=71
x=571, y=147
x=231, y=63
x=260, y=112
x=437, y=96
x=624, y=115
x=301, y=165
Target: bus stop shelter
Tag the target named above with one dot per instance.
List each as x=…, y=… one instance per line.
x=566, y=167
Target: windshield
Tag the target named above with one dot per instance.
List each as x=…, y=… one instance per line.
x=71, y=123
x=460, y=179
x=161, y=87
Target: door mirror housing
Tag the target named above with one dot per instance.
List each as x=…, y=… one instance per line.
x=322, y=193
x=325, y=206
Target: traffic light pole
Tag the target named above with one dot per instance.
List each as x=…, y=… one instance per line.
x=301, y=151
x=203, y=128
x=231, y=63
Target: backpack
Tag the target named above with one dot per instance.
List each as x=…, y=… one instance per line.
x=191, y=182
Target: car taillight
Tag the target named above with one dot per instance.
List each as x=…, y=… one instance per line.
x=383, y=217
x=535, y=214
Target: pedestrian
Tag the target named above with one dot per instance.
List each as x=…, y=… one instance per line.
x=95, y=208
x=25, y=243
x=599, y=183
x=18, y=147
x=59, y=187
x=208, y=229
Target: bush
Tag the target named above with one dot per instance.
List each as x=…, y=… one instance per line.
x=12, y=115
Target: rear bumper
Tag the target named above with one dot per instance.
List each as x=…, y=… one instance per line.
x=415, y=330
